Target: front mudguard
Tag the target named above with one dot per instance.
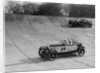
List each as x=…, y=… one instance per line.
x=81, y=50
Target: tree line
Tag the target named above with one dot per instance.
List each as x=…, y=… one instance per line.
x=50, y=9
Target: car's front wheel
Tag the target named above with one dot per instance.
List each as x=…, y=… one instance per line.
x=81, y=52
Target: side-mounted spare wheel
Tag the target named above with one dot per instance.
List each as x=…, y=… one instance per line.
x=41, y=51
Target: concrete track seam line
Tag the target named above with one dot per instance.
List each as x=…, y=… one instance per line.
x=19, y=48
x=83, y=63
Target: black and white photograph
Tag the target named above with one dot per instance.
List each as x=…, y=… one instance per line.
x=41, y=36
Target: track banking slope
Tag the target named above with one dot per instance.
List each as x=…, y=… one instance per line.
x=24, y=35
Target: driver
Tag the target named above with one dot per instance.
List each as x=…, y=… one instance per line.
x=68, y=42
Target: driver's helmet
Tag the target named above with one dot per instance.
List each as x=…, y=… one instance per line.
x=64, y=41
x=70, y=42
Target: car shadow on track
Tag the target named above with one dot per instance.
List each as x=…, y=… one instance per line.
x=33, y=60
x=39, y=59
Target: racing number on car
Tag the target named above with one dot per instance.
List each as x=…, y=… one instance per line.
x=63, y=49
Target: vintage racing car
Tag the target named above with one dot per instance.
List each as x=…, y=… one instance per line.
x=63, y=47
x=81, y=23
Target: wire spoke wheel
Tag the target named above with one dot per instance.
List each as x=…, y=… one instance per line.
x=81, y=52
x=52, y=56
x=41, y=52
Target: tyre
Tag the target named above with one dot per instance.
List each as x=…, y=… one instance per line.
x=81, y=52
x=52, y=56
x=41, y=51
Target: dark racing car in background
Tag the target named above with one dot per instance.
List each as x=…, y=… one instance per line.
x=66, y=46
x=81, y=23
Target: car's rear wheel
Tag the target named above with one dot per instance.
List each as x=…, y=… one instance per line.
x=52, y=56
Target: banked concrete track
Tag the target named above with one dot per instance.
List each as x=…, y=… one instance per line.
x=25, y=34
